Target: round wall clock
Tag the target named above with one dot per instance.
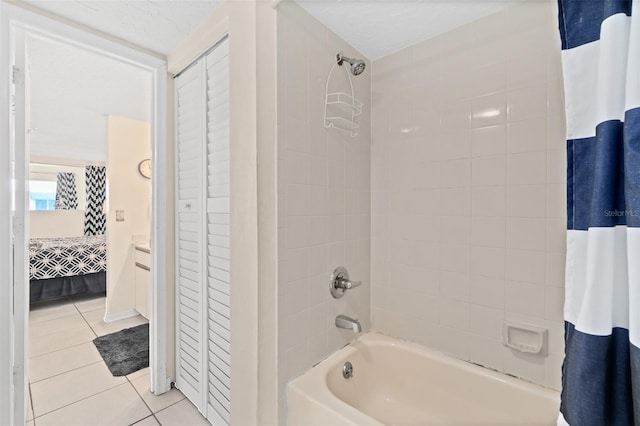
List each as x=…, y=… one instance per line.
x=144, y=168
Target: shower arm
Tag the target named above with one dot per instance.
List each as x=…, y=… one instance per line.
x=340, y=59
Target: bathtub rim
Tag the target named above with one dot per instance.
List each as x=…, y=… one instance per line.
x=313, y=383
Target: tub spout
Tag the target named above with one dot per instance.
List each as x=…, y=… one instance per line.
x=343, y=321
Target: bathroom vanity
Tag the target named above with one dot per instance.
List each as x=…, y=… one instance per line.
x=142, y=256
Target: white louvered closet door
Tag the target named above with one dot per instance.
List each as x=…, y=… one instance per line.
x=203, y=320
x=218, y=259
x=190, y=336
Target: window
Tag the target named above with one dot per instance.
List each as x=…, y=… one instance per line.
x=42, y=195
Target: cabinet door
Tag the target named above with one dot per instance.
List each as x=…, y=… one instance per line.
x=143, y=278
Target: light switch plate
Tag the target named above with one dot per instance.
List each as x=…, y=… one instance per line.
x=119, y=215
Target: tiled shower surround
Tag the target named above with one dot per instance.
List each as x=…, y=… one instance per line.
x=468, y=185
x=449, y=205
x=323, y=195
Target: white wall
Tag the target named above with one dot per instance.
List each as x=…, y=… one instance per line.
x=239, y=20
x=56, y=223
x=323, y=196
x=468, y=181
x=128, y=143
x=266, y=61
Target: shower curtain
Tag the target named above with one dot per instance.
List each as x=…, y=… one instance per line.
x=95, y=221
x=601, y=67
x=66, y=196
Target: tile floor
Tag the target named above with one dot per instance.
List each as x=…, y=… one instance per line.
x=71, y=385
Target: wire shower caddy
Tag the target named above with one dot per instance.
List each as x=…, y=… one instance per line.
x=340, y=108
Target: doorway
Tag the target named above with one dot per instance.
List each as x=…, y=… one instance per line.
x=16, y=27
x=88, y=218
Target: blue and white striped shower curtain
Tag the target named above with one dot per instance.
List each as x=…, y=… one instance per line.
x=601, y=67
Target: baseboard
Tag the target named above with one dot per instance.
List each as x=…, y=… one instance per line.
x=120, y=315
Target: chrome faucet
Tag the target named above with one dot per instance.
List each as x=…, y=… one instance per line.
x=340, y=282
x=343, y=321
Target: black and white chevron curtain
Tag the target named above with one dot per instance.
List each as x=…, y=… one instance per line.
x=66, y=195
x=95, y=220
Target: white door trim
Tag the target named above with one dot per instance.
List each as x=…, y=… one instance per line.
x=6, y=229
x=20, y=222
x=12, y=17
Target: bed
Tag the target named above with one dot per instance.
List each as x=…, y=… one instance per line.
x=67, y=266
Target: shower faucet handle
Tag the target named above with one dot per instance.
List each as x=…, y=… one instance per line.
x=340, y=282
x=346, y=284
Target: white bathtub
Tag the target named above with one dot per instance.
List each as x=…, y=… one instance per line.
x=399, y=383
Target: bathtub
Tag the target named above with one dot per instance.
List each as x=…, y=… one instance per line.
x=400, y=383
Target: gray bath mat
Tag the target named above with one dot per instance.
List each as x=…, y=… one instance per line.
x=126, y=351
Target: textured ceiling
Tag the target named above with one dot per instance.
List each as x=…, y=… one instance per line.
x=374, y=27
x=72, y=92
x=156, y=25
x=380, y=27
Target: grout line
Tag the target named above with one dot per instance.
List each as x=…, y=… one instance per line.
x=88, y=310
x=57, y=330
x=33, y=414
x=153, y=414
x=143, y=419
x=171, y=405
x=53, y=302
x=138, y=393
x=103, y=298
x=81, y=399
x=127, y=380
x=34, y=322
x=53, y=305
x=61, y=331
x=59, y=374
x=60, y=349
x=65, y=372
x=85, y=320
x=91, y=328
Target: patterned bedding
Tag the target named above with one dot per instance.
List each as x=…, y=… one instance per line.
x=66, y=257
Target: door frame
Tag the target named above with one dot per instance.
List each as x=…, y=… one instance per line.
x=13, y=18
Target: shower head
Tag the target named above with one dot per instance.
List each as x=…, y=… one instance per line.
x=357, y=65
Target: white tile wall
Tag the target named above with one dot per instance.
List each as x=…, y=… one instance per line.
x=468, y=183
x=324, y=197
